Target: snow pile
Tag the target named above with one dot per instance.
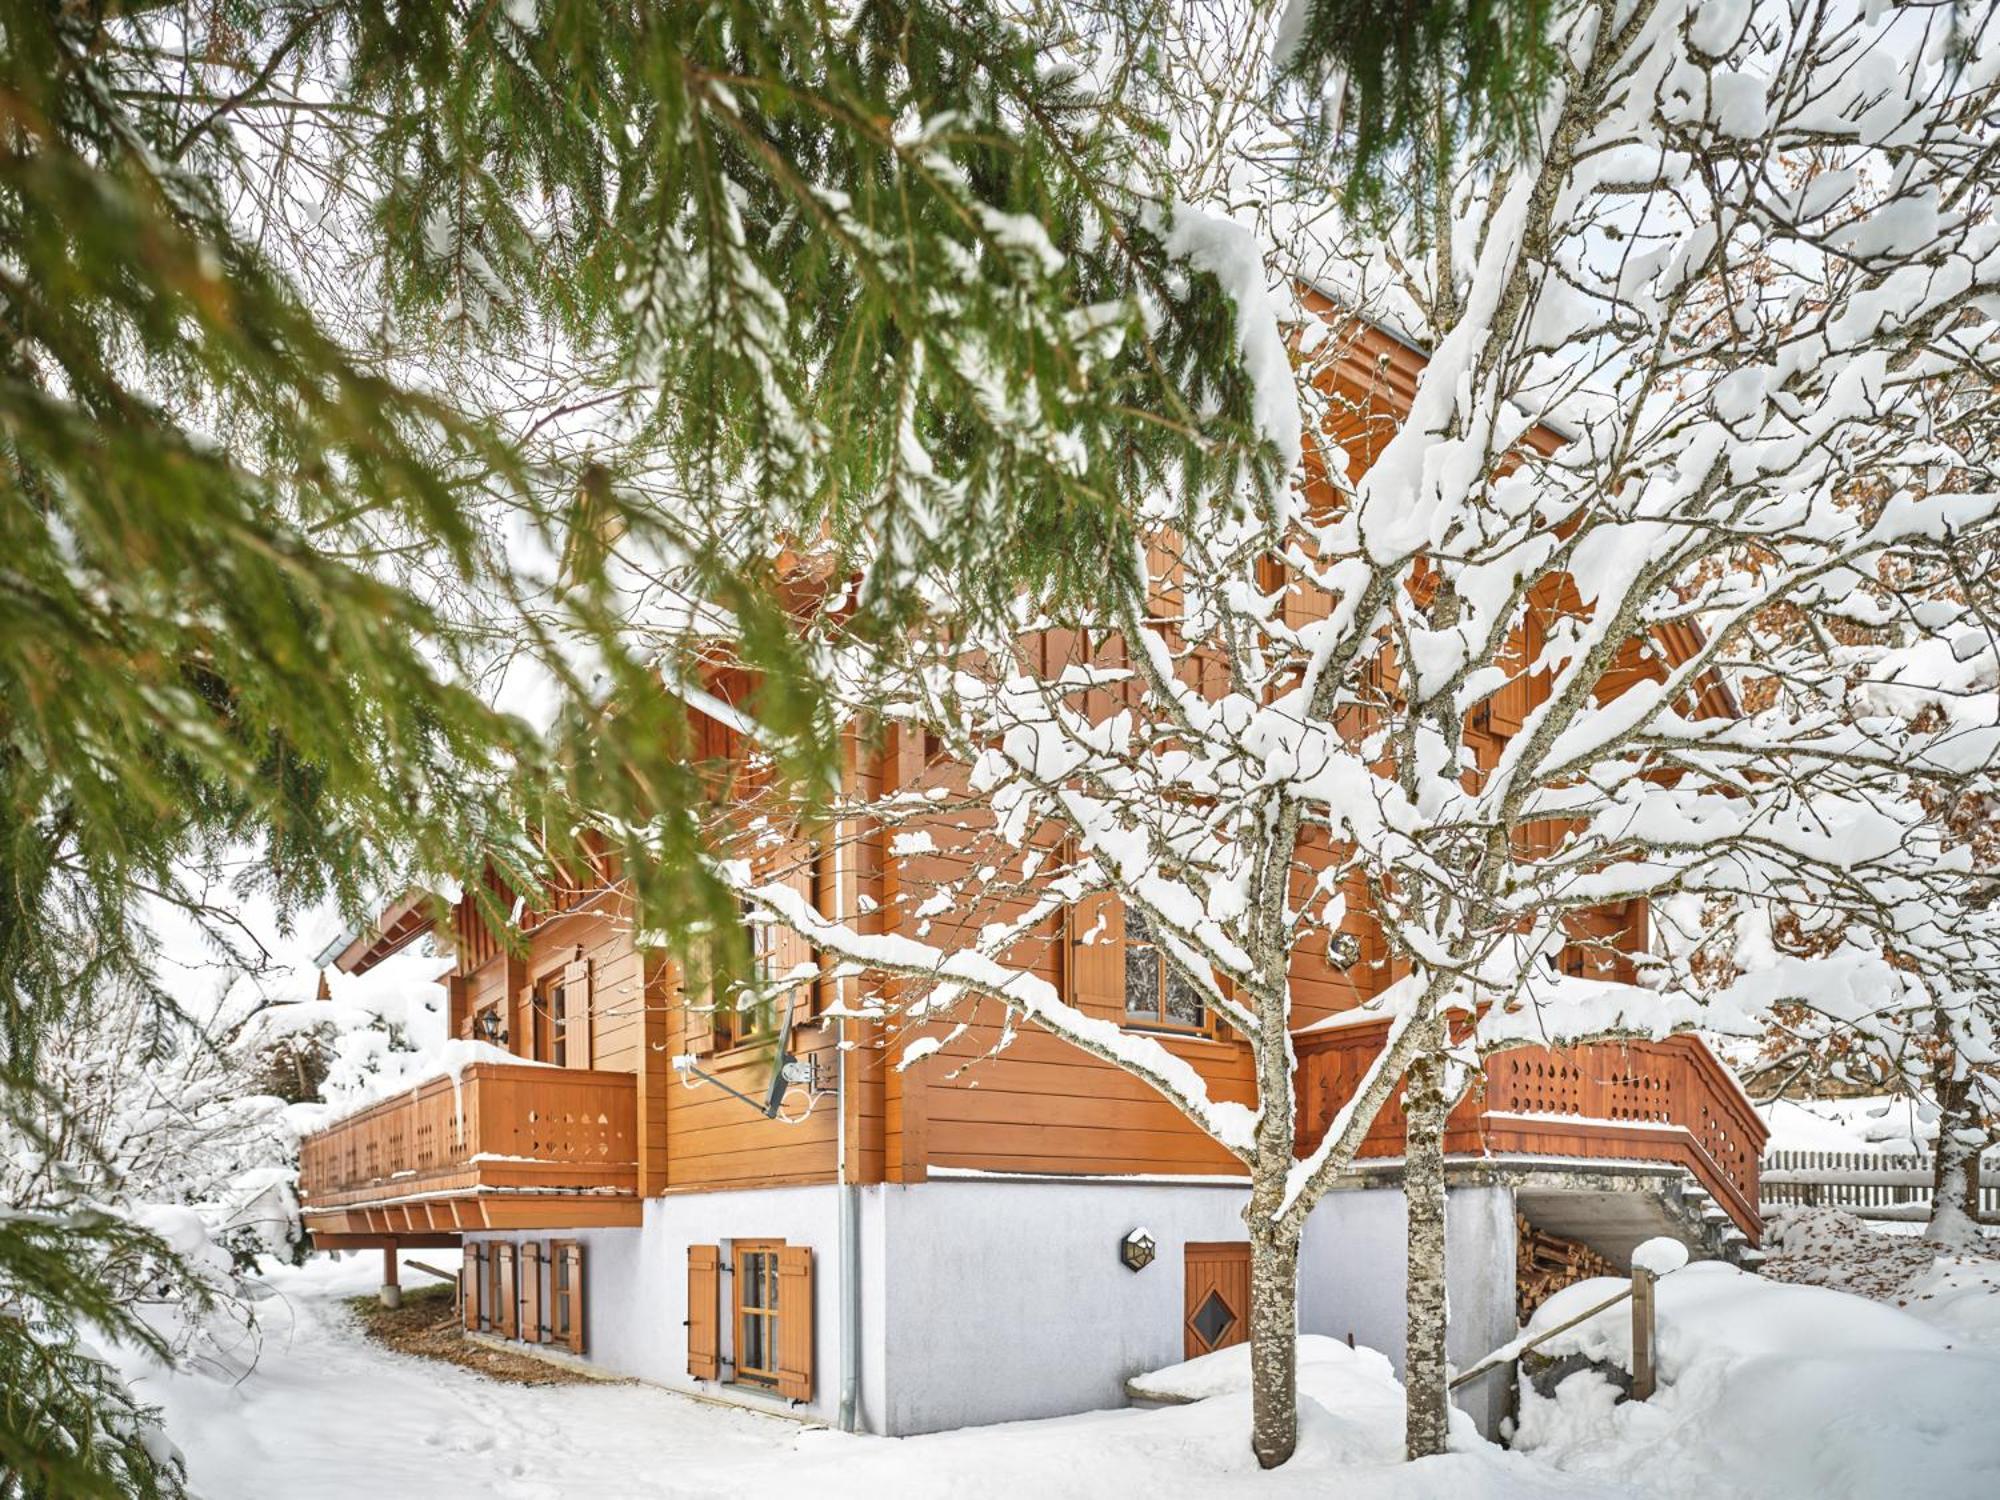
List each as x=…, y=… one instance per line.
x=1958, y=1293
x=1357, y=1387
x=380, y=1033
x=1811, y=1246
x=1772, y=1390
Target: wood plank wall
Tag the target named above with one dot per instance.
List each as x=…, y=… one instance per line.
x=1036, y=1105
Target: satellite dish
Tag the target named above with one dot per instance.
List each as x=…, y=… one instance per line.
x=786, y=1069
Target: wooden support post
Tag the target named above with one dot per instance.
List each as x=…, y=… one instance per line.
x=392, y=1288
x=1643, y=1378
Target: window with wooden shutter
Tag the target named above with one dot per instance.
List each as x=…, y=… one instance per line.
x=566, y=1293
x=1508, y=708
x=698, y=1036
x=1095, y=955
x=531, y=1292
x=1157, y=995
x=577, y=1013
x=506, y=1296
x=795, y=1322
x=754, y=1287
x=704, y=1311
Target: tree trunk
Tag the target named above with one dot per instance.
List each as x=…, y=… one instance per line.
x=1274, y=1345
x=1425, y=1374
x=1955, y=1183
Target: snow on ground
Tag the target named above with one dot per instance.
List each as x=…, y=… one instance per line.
x=1821, y=1246
x=1769, y=1390
x=326, y=1414
x=1776, y=1391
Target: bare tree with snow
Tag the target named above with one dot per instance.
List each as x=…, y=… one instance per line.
x=1719, y=346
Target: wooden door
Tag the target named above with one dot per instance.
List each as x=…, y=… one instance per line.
x=1215, y=1313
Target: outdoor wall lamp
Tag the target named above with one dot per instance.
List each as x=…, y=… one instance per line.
x=1136, y=1250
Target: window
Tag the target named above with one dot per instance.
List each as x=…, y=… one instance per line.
x=748, y=1012
x=552, y=1021
x=1156, y=993
x=757, y=1312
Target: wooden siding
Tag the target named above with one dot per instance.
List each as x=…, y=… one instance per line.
x=1035, y=1105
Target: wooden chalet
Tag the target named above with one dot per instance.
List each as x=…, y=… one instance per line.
x=979, y=1238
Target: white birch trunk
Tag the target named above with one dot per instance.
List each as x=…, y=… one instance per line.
x=1425, y=1373
x=1274, y=1340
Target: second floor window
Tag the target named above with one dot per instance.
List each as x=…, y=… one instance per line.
x=1156, y=993
x=747, y=1013
x=552, y=1022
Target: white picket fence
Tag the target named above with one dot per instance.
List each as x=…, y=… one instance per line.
x=1866, y=1183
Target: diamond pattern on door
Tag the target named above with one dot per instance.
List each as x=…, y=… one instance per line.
x=1212, y=1319
x=1218, y=1296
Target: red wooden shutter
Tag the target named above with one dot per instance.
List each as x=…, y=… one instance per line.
x=531, y=1292
x=795, y=1322
x=704, y=1316
x=1096, y=956
x=576, y=1013
x=506, y=1296
x=572, y=1255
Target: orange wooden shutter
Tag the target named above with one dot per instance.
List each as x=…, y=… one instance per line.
x=572, y=1255
x=468, y=1288
x=531, y=1292
x=483, y=1259
x=506, y=1297
x=824, y=899
x=795, y=1322
x=1096, y=956
x=698, y=1035
x=577, y=1013
x=704, y=1301
x=458, y=1017
x=1508, y=709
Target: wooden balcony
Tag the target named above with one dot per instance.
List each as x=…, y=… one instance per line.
x=502, y=1146
x=1670, y=1102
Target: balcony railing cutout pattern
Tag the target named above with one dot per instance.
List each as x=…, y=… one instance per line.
x=1671, y=1101
x=498, y=1126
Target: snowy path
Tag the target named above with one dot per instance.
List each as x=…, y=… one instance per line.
x=326, y=1415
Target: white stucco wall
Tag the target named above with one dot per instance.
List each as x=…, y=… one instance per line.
x=635, y=1304
x=1009, y=1300
x=1352, y=1268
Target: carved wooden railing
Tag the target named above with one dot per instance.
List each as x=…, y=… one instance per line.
x=1670, y=1100
x=505, y=1125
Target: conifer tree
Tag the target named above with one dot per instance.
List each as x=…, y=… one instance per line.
x=264, y=270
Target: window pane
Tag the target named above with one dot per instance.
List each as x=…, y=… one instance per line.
x=1184, y=1003
x=1142, y=982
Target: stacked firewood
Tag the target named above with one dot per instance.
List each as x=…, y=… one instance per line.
x=1544, y=1265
